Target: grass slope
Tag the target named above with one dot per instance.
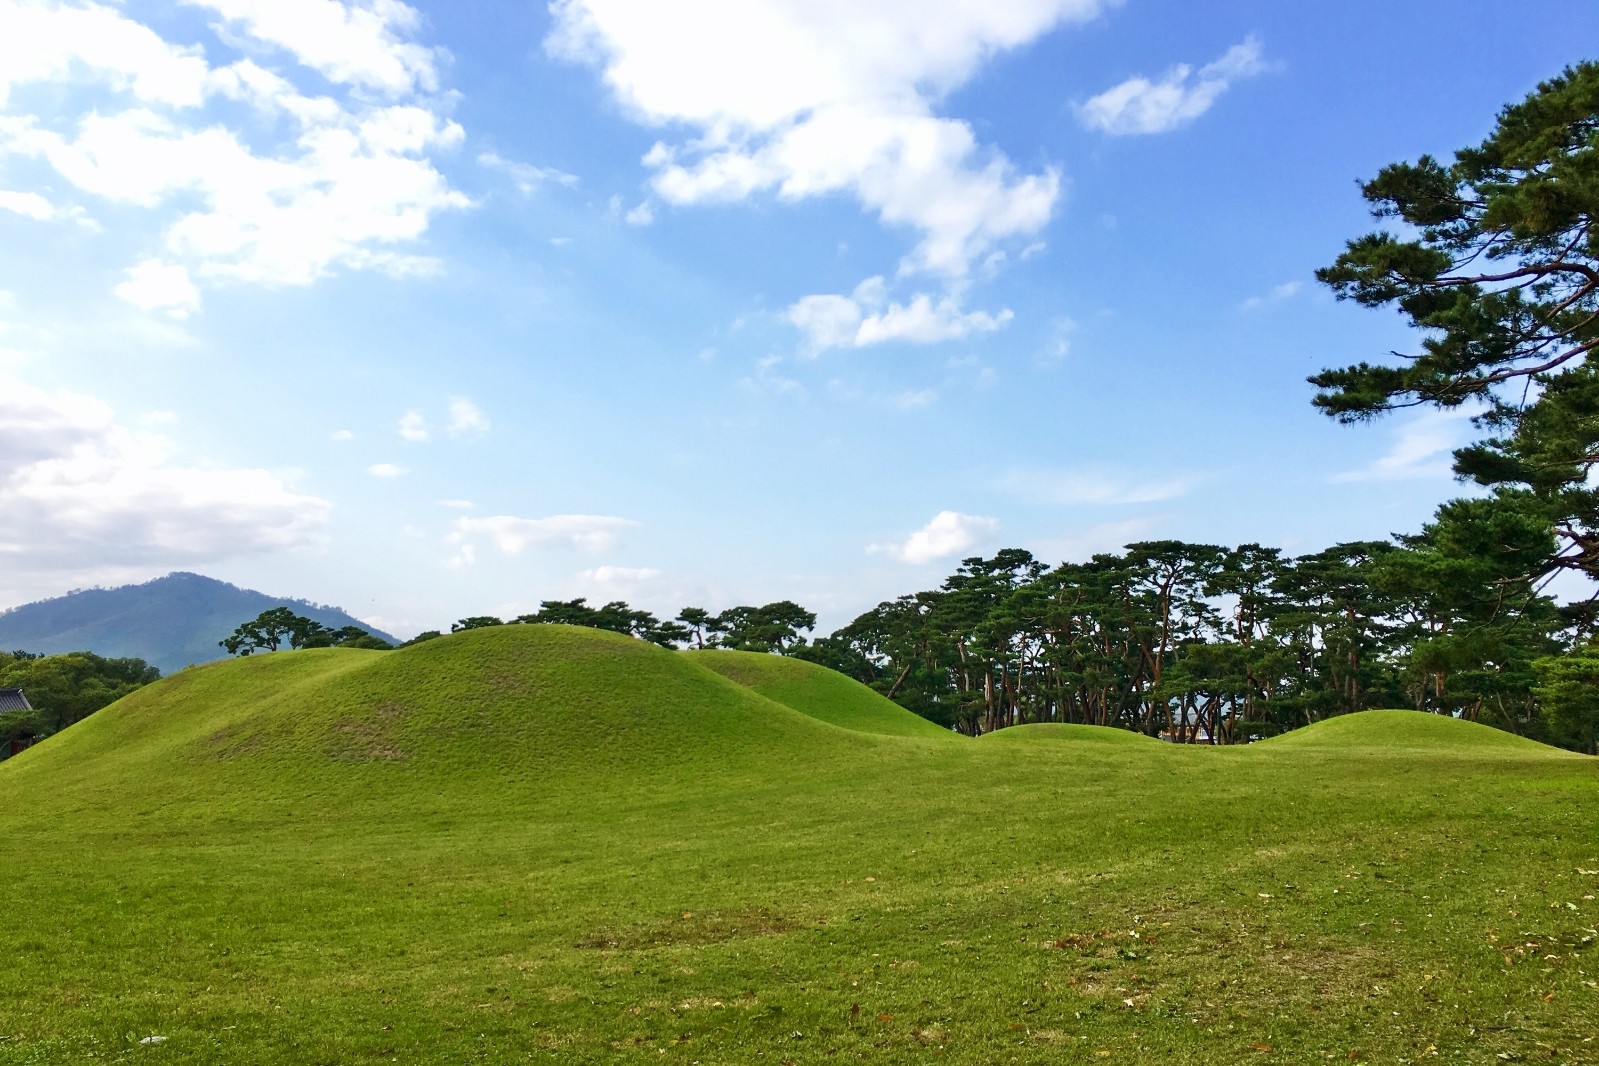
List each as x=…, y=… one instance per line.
x=547, y=845
x=1055, y=732
x=819, y=692
x=1405, y=731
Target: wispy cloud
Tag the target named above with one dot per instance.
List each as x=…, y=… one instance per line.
x=1277, y=295
x=1139, y=106
x=1092, y=487
x=1081, y=545
x=1422, y=448
x=615, y=577
x=466, y=418
x=412, y=427
x=525, y=176
x=513, y=535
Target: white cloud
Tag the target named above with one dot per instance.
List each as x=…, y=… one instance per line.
x=1277, y=295
x=913, y=400
x=642, y=215
x=619, y=576
x=242, y=195
x=465, y=417
x=1091, y=487
x=809, y=99
x=32, y=205
x=412, y=427
x=867, y=317
x=360, y=43
x=525, y=176
x=156, y=286
x=1059, y=344
x=766, y=379
x=949, y=533
x=1139, y=105
x=341, y=435
x=52, y=42
x=1422, y=449
x=513, y=535
x=386, y=470
x=78, y=491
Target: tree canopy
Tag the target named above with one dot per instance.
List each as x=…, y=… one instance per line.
x=272, y=629
x=65, y=689
x=1495, y=260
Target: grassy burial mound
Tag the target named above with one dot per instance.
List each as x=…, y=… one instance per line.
x=539, y=844
x=523, y=711
x=1406, y=731
x=819, y=692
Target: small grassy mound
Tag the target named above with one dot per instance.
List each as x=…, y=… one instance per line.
x=1056, y=732
x=819, y=692
x=1410, y=731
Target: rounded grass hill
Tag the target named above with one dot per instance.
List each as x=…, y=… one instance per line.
x=534, y=843
x=523, y=707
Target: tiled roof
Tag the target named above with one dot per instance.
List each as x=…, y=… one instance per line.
x=12, y=699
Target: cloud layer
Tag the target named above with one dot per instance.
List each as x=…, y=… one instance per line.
x=247, y=177
x=80, y=491
x=832, y=98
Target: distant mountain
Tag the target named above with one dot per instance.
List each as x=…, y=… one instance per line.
x=169, y=622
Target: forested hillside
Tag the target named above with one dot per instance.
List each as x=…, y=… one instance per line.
x=169, y=622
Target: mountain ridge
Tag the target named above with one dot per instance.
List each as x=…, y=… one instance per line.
x=169, y=622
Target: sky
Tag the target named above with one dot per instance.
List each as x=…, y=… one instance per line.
x=433, y=309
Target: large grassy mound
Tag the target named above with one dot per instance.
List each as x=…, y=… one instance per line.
x=819, y=692
x=523, y=707
x=551, y=845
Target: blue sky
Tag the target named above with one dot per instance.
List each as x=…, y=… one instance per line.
x=435, y=309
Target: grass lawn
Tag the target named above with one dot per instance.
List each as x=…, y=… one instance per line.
x=541, y=844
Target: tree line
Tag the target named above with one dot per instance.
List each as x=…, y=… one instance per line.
x=1209, y=644
x=778, y=627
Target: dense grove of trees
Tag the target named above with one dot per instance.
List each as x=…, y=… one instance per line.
x=1210, y=644
x=64, y=689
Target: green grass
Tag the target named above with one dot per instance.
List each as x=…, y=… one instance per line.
x=819, y=692
x=551, y=845
x=1056, y=732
